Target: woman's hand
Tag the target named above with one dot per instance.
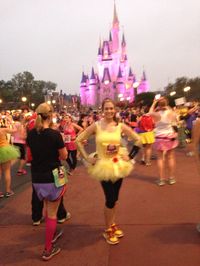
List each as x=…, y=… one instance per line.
x=92, y=160
x=125, y=157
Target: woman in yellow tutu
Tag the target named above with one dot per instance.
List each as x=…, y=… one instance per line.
x=111, y=162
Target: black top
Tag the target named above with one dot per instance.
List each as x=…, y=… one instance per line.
x=44, y=149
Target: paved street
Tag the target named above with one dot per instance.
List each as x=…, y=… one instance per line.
x=158, y=222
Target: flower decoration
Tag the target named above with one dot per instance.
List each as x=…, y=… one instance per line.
x=115, y=160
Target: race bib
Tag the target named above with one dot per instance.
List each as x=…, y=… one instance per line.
x=112, y=149
x=67, y=138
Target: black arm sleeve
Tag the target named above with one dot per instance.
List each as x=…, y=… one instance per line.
x=134, y=151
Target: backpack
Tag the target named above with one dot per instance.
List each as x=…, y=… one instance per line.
x=146, y=123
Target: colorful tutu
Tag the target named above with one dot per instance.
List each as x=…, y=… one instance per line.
x=147, y=137
x=8, y=153
x=166, y=142
x=110, y=168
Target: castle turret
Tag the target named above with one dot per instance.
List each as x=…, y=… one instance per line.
x=93, y=88
x=115, y=31
x=144, y=84
x=83, y=89
x=120, y=88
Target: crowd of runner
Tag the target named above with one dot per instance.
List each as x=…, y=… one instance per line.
x=158, y=127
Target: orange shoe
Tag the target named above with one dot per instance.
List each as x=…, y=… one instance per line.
x=117, y=232
x=110, y=237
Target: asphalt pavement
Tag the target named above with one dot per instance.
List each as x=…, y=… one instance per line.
x=159, y=223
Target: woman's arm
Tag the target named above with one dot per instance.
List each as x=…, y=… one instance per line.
x=84, y=136
x=131, y=134
x=80, y=129
x=135, y=137
x=63, y=153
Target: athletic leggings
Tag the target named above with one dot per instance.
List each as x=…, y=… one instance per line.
x=111, y=191
x=71, y=159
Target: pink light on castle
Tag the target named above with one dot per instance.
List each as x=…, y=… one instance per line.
x=115, y=77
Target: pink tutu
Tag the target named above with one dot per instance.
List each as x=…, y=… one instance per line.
x=166, y=142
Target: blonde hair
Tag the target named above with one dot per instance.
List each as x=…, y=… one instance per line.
x=44, y=112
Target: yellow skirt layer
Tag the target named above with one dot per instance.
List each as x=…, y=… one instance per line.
x=110, y=169
x=147, y=137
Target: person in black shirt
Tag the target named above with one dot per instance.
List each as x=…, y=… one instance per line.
x=47, y=149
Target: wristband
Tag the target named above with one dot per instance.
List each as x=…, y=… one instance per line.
x=134, y=151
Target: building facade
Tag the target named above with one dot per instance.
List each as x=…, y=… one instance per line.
x=114, y=78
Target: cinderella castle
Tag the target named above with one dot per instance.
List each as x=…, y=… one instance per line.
x=115, y=78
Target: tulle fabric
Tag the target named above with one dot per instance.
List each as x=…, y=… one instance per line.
x=8, y=153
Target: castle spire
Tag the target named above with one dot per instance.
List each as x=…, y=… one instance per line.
x=115, y=17
x=130, y=72
x=119, y=73
x=92, y=74
x=83, y=80
x=123, y=40
x=110, y=37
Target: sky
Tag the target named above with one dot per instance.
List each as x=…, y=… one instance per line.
x=58, y=39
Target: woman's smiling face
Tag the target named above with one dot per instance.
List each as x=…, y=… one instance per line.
x=109, y=110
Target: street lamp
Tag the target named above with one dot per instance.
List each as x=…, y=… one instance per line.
x=24, y=99
x=172, y=93
x=32, y=105
x=186, y=89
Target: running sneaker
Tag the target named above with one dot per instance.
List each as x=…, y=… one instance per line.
x=38, y=222
x=110, y=237
x=160, y=182
x=1, y=194
x=9, y=194
x=47, y=255
x=21, y=172
x=57, y=235
x=171, y=181
x=117, y=232
x=68, y=216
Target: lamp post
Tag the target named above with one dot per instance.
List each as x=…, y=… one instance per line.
x=186, y=91
x=24, y=99
x=172, y=93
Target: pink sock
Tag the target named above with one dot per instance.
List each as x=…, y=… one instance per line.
x=50, y=230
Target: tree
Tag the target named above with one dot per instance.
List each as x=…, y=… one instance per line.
x=180, y=84
x=145, y=98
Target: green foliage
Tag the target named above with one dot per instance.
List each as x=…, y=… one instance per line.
x=180, y=84
x=145, y=98
x=24, y=84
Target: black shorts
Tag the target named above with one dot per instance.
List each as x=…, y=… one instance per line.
x=22, y=150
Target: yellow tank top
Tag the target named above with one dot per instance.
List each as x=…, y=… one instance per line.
x=107, y=142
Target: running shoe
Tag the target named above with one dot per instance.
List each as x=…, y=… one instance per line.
x=57, y=235
x=117, y=232
x=21, y=172
x=68, y=216
x=160, y=182
x=9, y=194
x=47, y=255
x=110, y=237
x=171, y=181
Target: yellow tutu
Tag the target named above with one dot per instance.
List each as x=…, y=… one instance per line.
x=147, y=137
x=111, y=168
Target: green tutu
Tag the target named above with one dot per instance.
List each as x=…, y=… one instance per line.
x=8, y=153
